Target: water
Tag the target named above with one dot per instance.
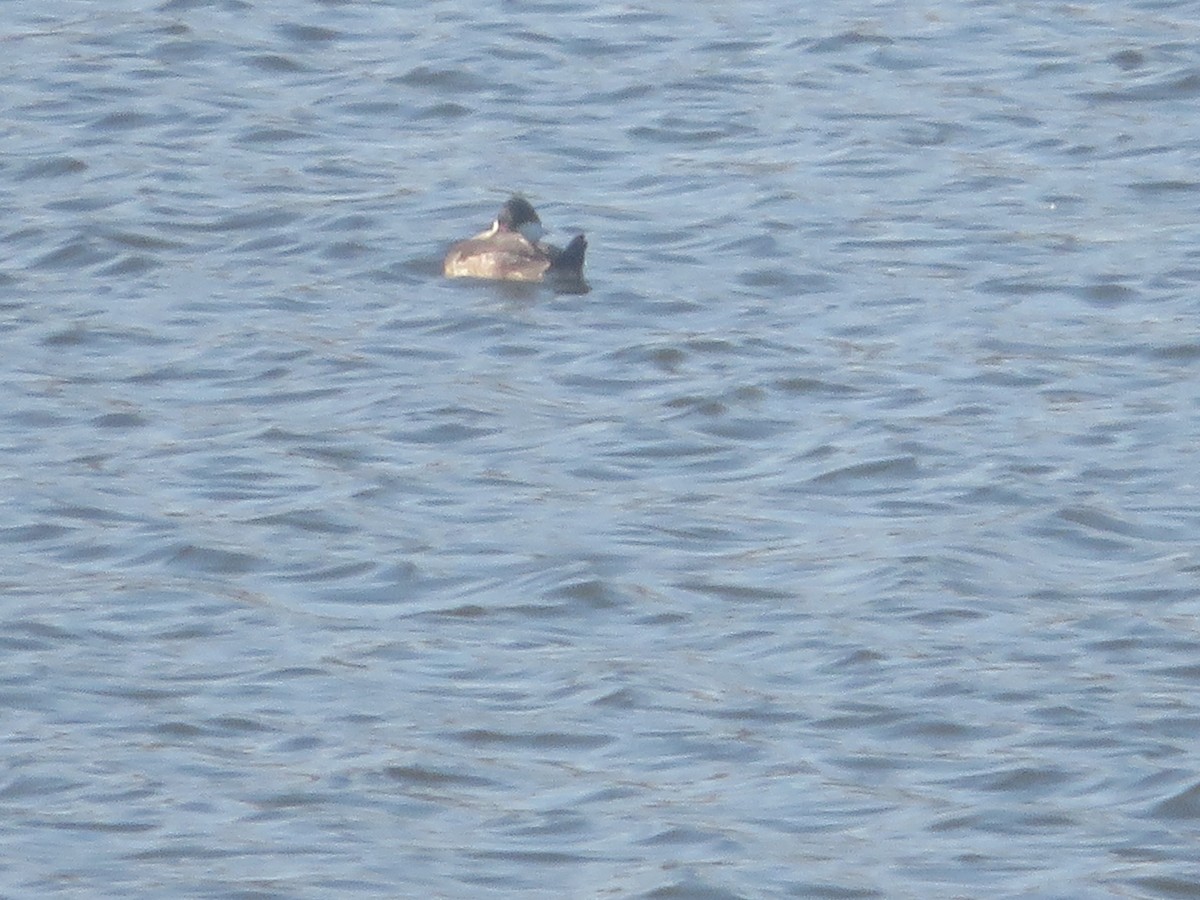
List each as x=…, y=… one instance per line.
x=840, y=543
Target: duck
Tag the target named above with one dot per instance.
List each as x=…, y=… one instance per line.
x=512, y=250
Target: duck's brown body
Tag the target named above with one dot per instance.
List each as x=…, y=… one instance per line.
x=505, y=253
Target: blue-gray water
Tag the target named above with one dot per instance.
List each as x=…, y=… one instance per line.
x=841, y=543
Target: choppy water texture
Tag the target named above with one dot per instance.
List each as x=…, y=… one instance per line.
x=841, y=543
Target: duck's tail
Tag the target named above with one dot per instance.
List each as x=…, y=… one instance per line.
x=570, y=260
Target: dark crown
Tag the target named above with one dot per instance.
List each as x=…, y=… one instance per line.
x=515, y=213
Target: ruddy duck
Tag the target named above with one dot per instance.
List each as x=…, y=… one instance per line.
x=512, y=250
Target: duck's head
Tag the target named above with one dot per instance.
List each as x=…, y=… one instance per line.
x=519, y=216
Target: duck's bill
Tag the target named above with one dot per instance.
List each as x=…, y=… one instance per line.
x=532, y=231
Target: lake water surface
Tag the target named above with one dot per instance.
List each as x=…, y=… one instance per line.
x=841, y=543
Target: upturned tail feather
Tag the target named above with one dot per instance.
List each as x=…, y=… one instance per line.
x=571, y=258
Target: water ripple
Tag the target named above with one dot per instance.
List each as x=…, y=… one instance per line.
x=850, y=518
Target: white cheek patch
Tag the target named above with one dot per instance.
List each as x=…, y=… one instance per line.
x=532, y=231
